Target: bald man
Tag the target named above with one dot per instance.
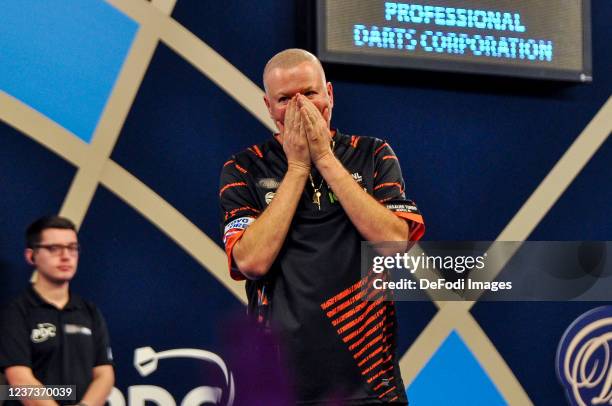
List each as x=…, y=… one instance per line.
x=295, y=210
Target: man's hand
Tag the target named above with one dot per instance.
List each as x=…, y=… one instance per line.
x=317, y=131
x=295, y=143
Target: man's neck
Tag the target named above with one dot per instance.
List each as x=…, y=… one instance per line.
x=54, y=293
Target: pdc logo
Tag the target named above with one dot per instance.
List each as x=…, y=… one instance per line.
x=43, y=332
x=584, y=359
x=146, y=361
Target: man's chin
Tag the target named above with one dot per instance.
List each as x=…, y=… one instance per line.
x=59, y=279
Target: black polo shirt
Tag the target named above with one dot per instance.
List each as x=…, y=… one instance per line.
x=60, y=346
x=338, y=347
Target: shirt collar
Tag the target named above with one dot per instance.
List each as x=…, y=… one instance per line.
x=334, y=131
x=74, y=301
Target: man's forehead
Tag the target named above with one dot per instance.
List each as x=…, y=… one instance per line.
x=301, y=76
x=58, y=235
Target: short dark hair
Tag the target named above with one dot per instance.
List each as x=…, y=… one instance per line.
x=34, y=231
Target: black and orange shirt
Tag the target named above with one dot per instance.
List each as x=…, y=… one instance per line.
x=338, y=346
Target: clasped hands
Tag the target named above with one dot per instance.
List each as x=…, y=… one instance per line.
x=305, y=133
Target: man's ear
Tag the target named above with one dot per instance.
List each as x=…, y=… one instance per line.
x=265, y=97
x=29, y=256
x=267, y=102
x=330, y=93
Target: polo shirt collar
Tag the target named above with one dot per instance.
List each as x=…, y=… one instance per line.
x=74, y=301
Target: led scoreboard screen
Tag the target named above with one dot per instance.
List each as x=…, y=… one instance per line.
x=548, y=39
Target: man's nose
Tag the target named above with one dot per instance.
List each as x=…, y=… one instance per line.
x=65, y=253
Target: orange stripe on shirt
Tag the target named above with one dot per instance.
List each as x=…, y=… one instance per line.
x=257, y=151
x=231, y=185
x=383, y=383
x=369, y=345
x=344, y=304
x=363, y=327
x=357, y=343
x=369, y=299
x=379, y=373
x=240, y=168
x=229, y=214
x=380, y=148
x=370, y=356
x=382, y=185
x=231, y=161
x=389, y=157
x=374, y=365
x=342, y=295
x=361, y=317
x=417, y=228
x=385, y=394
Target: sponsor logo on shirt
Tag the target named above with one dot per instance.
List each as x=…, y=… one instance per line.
x=76, y=329
x=407, y=208
x=235, y=226
x=359, y=179
x=332, y=197
x=268, y=183
x=269, y=197
x=43, y=332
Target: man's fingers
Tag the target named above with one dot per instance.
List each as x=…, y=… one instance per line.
x=326, y=114
x=312, y=112
x=309, y=117
x=289, y=115
x=305, y=118
x=306, y=104
x=312, y=109
x=296, y=119
x=302, y=127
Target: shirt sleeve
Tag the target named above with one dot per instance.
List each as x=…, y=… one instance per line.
x=239, y=208
x=104, y=353
x=14, y=338
x=389, y=189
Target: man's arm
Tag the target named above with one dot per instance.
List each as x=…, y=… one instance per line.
x=100, y=387
x=15, y=356
x=373, y=221
x=257, y=249
x=21, y=375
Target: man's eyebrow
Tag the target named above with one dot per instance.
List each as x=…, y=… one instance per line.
x=301, y=91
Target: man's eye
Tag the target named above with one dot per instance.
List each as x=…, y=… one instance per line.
x=283, y=100
x=54, y=249
x=310, y=93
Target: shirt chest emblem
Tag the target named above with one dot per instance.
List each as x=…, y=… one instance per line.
x=268, y=183
x=269, y=196
x=76, y=329
x=43, y=332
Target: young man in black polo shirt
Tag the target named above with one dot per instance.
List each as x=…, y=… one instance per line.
x=49, y=335
x=295, y=211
